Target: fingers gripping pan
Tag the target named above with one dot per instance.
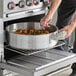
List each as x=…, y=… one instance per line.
x=59, y=36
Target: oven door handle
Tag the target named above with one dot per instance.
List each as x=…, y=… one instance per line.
x=30, y=12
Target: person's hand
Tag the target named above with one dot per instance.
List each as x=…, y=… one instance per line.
x=45, y=21
x=69, y=29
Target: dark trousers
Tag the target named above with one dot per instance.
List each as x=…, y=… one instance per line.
x=65, y=14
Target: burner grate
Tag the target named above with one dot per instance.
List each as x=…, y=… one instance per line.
x=31, y=52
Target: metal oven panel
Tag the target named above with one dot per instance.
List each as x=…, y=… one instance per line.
x=8, y=8
x=41, y=63
x=1, y=39
x=15, y=9
x=1, y=8
x=12, y=6
x=24, y=14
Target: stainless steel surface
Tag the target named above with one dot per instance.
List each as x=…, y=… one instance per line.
x=18, y=9
x=35, y=65
x=20, y=6
x=40, y=64
x=32, y=52
x=1, y=8
x=1, y=32
x=23, y=14
x=65, y=71
x=1, y=40
x=26, y=12
x=31, y=42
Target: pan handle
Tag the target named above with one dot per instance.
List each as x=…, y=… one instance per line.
x=58, y=36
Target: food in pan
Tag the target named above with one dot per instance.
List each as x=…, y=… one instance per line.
x=31, y=32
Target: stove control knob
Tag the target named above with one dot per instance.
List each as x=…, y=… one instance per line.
x=29, y=2
x=46, y=2
x=21, y=4
x=11, y=5
x=36, y=2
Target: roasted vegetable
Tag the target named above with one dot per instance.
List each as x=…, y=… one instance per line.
x=31, y=32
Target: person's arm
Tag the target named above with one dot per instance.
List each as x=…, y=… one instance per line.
x=70, y=28
x=54, y=5
x=73, y=23
x=46, y=19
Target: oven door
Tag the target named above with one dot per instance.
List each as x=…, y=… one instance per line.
x=40, y=64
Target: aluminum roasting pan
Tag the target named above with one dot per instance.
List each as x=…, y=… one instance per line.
x=32, y=42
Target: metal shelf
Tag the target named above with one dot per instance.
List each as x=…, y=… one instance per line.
x=31, y=52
